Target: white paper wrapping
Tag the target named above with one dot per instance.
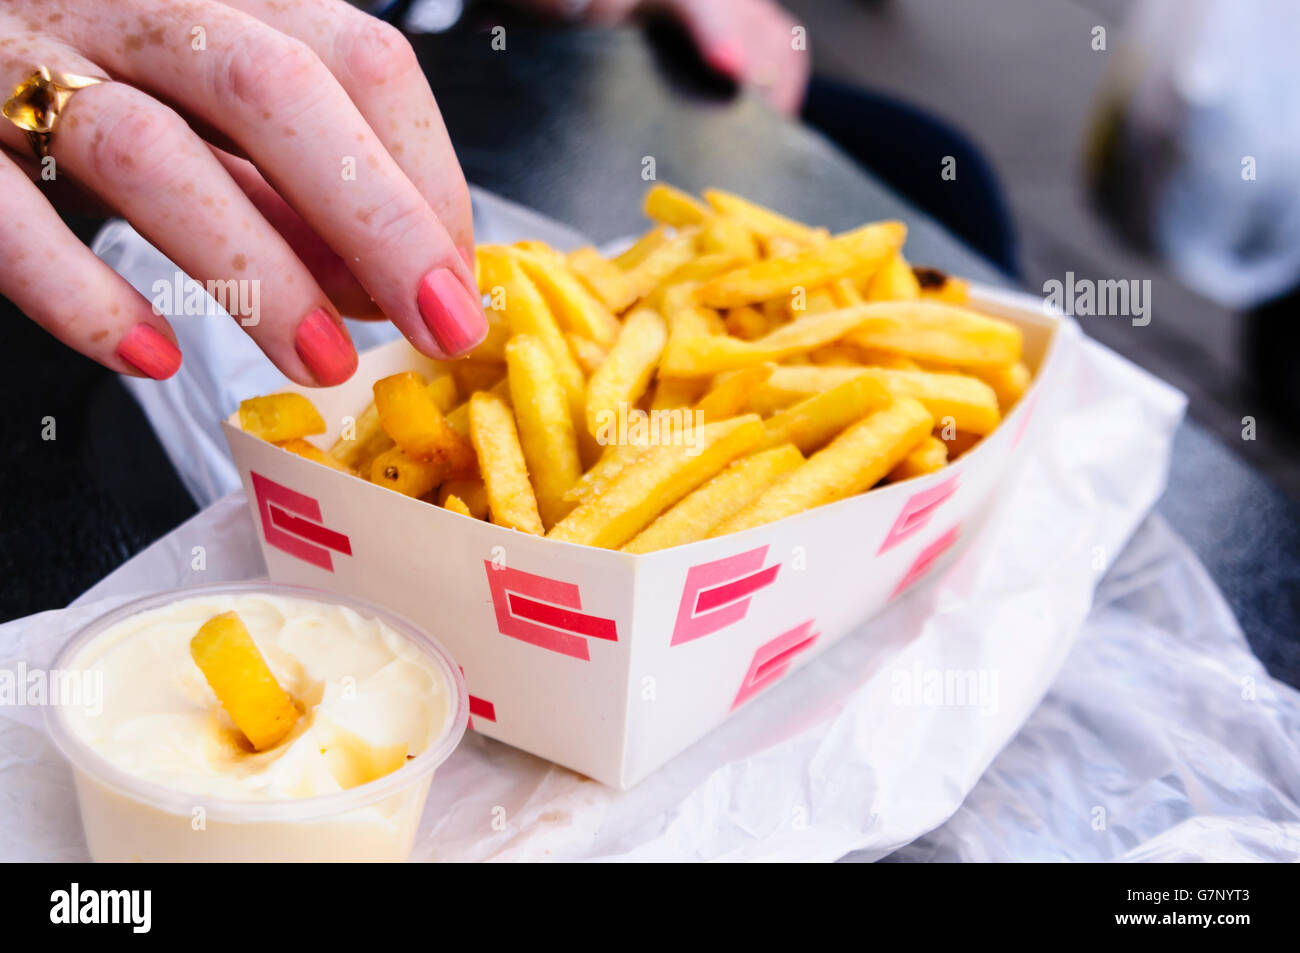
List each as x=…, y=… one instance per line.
x=1160, y=736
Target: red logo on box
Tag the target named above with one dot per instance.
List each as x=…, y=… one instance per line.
x=291, y=522
x=917, y=511
x=543, y=612
x=479, y=706
x=772, y=660
x=717, y=594
x=926, y=558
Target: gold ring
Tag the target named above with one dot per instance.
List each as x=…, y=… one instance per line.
x=37, y=102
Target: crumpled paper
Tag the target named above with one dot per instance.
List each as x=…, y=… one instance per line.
x=1126, y=720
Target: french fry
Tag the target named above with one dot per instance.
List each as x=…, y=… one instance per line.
x=365, y=438
x=458, y=416
x=444, y=391
x=690, y=354
x=278, y=417
x=846, y=293
x=958, y=442
x=656, y=268
x=939, y=286
x=410, y=415
x=967, y=401
x=929, y=455
x=1009, y=382
x=895, y=281
x=700, y=269
x=788, y=385
x=718, y=499
x=588, y=353
x=816, y=301
x=726, y=398
x=607, y=281
x=361, y=442
x=722, y=235
x=575, y=308
x=730, y=392
x=673, y=392
x=511, y=501
x=815, y=421
x=528, y=313
x=854, y=253
x=545, y=428
x=654, y=482
x=470, y=491
x=396, y=471
x=471, y=375
x=595, y=481
x=837, y=355
x=637, y=251
x=671, y=206
x=934, y=331
x=626, y=373
x=312, y=452
x=492, y=349
x=875, y=357
x=762, y=221
x=242, y=681
x=854, y=461
x=454, y=503
x=747, y=322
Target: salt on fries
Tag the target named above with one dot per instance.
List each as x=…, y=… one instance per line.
x=731, y=367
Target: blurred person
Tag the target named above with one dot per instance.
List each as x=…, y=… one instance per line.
x=1196, y=156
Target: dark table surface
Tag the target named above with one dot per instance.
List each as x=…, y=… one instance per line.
x=562, y=121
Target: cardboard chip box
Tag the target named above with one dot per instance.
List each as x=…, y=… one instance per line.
x=605, y=662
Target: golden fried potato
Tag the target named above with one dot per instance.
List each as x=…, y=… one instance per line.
x=242, y=681
x=656, y=480
x=511, y=501
x=856, y=460
x=278, y=417
x=546, y=432
x=719, y=499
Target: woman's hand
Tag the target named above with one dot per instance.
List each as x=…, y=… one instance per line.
x=295, y=145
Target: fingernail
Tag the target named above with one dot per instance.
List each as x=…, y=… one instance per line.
x=145, y=349
x=453, y=315
x=727, y=57
x=325, y=348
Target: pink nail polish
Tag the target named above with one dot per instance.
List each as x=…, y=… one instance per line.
x=453, y=315
x=149, y=352
x=727, y=58
x=325, y=348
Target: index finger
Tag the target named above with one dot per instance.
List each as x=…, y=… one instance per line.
x=273, y=96
x=375, y=63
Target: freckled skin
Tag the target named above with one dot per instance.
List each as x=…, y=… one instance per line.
x=194, y=215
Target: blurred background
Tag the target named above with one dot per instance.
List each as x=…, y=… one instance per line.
x=1126, y=162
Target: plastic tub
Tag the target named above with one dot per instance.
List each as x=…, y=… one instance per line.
x=128, y=818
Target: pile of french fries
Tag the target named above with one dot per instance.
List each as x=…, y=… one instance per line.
x=731, y=368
